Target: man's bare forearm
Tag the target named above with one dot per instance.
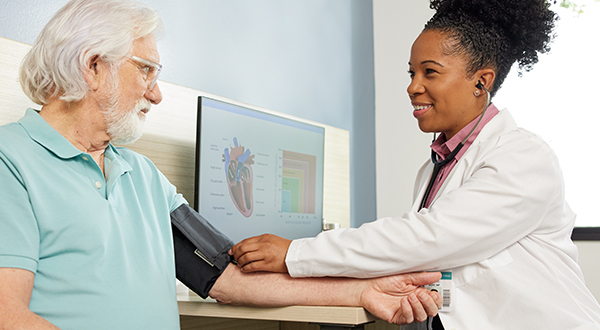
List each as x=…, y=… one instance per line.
x=399, y=299
x=24, y=320
x=15, y=294
x=277, y=289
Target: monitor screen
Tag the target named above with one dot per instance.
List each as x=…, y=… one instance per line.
x=257, y=172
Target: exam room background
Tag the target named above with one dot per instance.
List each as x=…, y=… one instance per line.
x=338, y=62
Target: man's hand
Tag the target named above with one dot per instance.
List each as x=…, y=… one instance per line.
x=261, y=253
x=401, y=299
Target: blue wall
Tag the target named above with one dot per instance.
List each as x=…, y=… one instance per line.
x=308, y=58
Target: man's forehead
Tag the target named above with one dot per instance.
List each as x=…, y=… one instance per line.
x=145, y=47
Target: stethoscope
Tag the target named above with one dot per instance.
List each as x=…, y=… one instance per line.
x=437, y=165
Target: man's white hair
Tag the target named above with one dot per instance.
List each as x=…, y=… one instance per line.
x=81, y=30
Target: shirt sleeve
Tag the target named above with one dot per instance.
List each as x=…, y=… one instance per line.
x=174, y=198
x=508, y=191
x=19, y=234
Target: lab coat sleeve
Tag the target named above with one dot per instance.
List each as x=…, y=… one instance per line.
x=502, y=190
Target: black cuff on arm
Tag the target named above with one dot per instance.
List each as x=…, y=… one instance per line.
x=201, y=251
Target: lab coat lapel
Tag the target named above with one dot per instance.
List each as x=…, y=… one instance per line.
x=501, y=123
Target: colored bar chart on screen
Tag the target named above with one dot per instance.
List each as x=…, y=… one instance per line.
x=298, y=183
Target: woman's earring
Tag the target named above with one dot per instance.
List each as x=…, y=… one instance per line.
x=477, y=92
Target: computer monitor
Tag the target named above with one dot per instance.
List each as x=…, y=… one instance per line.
x=257, y=172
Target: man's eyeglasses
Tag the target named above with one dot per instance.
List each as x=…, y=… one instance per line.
x=149, y=69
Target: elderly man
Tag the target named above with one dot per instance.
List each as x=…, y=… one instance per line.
x=85, y=232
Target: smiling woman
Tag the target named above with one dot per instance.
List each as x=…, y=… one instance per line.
x=441, y=91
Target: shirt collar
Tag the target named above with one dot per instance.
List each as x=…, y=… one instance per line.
x=44, y=134
x=114, y=166
x=443, y=148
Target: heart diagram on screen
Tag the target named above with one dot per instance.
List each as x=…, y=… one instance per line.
x=238, y=169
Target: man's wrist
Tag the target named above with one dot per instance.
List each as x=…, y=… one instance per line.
x=362, y=285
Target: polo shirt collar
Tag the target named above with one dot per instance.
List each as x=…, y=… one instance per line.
x=44, y=134
x=114, y=162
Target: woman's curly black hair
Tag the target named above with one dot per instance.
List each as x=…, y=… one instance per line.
x=495, y=33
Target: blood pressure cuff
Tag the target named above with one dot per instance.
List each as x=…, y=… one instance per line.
x=201, y=251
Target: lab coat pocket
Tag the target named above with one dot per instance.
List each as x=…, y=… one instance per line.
x=464, y=275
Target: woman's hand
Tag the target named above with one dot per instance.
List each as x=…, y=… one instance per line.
x=261, y=253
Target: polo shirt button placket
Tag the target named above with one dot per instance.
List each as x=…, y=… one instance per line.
x=97, y=184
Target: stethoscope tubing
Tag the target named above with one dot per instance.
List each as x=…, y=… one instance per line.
x=437, y=165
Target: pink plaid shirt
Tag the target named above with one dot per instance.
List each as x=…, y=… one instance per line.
x=443, y=148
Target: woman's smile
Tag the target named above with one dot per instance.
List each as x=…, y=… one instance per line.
x=420, y=110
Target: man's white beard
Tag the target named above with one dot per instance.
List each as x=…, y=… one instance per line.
x=124, y=126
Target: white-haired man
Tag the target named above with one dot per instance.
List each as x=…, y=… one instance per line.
x=85, y=227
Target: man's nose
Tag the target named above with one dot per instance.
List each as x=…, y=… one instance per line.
x=154, y=95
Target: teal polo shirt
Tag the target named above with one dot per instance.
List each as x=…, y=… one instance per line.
x=101, y=248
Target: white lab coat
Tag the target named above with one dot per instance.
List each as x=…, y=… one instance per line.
x=500, y=221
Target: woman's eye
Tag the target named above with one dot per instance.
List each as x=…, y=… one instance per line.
x=428, y=71
x=411, y=73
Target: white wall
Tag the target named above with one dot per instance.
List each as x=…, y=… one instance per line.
x=588, y=261
x=400, y=147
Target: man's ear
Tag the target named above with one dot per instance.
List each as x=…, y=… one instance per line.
x=93, y=72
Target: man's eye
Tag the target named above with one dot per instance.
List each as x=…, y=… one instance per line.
x=146, y=69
